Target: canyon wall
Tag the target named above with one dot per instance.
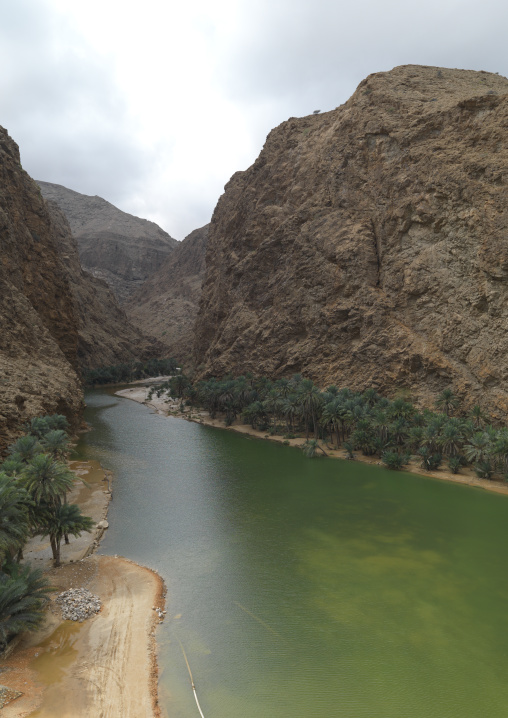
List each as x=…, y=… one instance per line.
x=368, y=246
x=118, y=247
x=39, y=335
x=166, y=305
x=105, y=334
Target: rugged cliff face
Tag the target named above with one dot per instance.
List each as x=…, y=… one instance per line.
x=113, y=245
x=38, y=338
x=105, y=335
x=166, y=305
x=368, y=246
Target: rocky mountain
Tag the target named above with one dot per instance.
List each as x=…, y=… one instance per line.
x=105, y=335
x=166, y=305
x=55, y=318
x=113, y=245
x=368, y=246
x=39, y=337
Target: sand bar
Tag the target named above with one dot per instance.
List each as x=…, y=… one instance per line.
x=107, y=665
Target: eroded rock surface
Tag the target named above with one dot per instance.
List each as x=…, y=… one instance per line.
x=39, y=336
x=113, y=245
x=166, y=305
x=105, y=335
x=368, y=246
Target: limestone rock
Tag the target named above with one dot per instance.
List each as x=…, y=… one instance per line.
x=113, y=245
x=105, y=335
x=368, y=246
x=38, y=340
x=166, y=305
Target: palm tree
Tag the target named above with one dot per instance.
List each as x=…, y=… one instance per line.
x=381, y=445
x=430, y=461
x=431, y=434
x=478, y=448
x=399, y=431
x=381, y=423
x=56, y=443
x=290, y=409
x=478, y=416
x=447, y=401
x=273, y=405
x=364, y=441
x=57, y=421
x=500, y=448
x=38, y=426
x=23, y=597
x=255, y=415
x=331, y=416
x=178, y=384
x=451, y=437
x=400, y=409
x=12, y=466
x=46, y=480
x=25, y=448
x=283, y=387
x=310, y=402
x=370, y=397
x=415, y=437
x=14, y=522
x=61, y=521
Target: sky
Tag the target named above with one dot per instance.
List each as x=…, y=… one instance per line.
x=153, y=105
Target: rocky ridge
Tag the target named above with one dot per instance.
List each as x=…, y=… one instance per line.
x=105, y=335
x=166, y=305
x=368, y=246
x=115, y=246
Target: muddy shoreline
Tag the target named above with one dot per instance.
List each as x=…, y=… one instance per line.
x=58, y=669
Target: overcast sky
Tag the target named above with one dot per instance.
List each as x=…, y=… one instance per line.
x=153, y=105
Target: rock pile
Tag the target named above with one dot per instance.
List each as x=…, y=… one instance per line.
x=78, y=604
x=160, y=613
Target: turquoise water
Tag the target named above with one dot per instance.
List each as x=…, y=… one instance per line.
x=307, y=587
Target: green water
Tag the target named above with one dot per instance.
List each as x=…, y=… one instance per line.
x=307, y=588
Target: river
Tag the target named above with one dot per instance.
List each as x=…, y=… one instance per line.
x=306, y=588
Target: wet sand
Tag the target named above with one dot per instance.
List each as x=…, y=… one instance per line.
x=107, y=665
x=172, y=408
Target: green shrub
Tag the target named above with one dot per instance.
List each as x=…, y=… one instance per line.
x=454, y=464
x=309, y=448
x=484, y=469
x=393, y=460
x=348, y=446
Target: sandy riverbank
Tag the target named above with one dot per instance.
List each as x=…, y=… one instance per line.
x=161, y=406
x=107, y=665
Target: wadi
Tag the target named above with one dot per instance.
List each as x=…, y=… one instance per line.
x=349, y=295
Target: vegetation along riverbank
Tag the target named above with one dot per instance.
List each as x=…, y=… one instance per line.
x=446, y=443
x=52, y=516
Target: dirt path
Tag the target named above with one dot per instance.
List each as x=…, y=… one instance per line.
x=112, y=671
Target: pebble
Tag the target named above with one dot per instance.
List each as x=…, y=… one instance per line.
x=159, y=611
x=78, y=604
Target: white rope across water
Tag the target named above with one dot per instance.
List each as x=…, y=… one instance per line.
x=191, y=680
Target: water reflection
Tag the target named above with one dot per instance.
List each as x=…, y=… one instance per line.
x=307, y=588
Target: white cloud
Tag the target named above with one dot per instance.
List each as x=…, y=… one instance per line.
x=153, y=106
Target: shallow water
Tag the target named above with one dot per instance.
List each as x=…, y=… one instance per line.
x=305, y=587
